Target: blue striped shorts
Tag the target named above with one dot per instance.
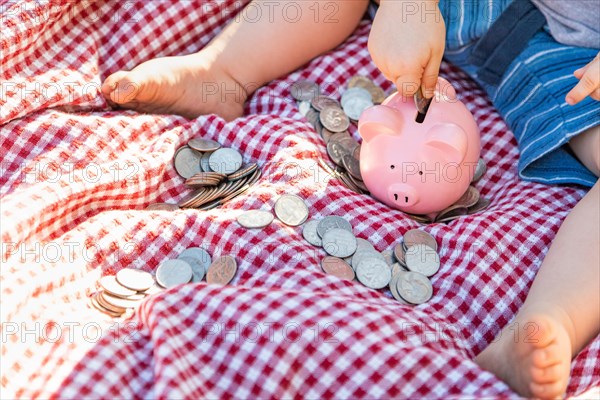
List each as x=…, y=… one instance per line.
x=531, y=94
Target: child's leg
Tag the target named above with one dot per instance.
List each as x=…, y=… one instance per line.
x=563, y=304
x=244, y=56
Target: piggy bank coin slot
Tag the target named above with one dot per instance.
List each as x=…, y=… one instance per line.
x=422, y=105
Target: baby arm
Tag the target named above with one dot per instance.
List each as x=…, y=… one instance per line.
x=407, y=44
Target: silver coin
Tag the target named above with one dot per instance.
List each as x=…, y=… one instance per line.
x=291, y=210
x=187, y=162
x=332, y=222
x=334, y=119
x=422, y=259
x=339, y=243
x=198, y=271
x=198, y=254
x=225, y=161
x=255, y=219
x=417, y=236
x=355, y=106
x=309, y=232
x=304, y=107
x=355, y=92
x=205, y=162
x=362, y=244
x=360, y=255
x=135, y=279
x=119, y=301
x=480, y=170
x=388, y=255
x=173, y=272
x=109, y=283
x=374, y=273
x=414, y=287
x=394, y=288
x=305, y=90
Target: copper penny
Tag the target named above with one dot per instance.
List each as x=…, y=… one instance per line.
x=203, y=145
x=222, y=270
x=337, y=267
x=162, y=207
x=417, y=236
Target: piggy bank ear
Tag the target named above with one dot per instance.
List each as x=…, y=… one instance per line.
x=379, y=120
x=450, y=139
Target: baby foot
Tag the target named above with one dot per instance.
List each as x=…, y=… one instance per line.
x=536, y=364
x=187, y=85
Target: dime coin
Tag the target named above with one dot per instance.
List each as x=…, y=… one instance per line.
x=225, y=161
x=304, y=90
x=203, y=145
x=187, y=162
x=422, y=259
x=200, y=255
x=173, y=272
x=198, y=271
x=417, y=236
x=222, y=270
x=334, y=119
x=337, y=267
x=291, y=210
x=414, y=288
x=109, y=283
x=135, y=279
x=162, y=207
x=309, y=232
x=255, y=219
x=339, y=243
x=332, y=222
x=373, y=273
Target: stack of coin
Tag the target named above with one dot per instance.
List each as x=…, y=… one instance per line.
x=123, y=292
x=331, y=120
x=216, y=174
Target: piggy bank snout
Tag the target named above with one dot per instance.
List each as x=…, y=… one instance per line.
x=403, y=195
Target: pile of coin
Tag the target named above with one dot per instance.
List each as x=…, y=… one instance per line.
x=121, y=293
x=215, y=173
x=404, y=269
x=331, y=120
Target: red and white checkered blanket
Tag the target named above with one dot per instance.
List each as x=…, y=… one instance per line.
x=76, y=177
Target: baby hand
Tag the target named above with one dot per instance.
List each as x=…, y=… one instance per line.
x=407, y=44
x=589, y=82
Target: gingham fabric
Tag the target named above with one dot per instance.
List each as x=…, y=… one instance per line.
x=76, y=177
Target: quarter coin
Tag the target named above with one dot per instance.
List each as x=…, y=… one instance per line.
x=422, y=259
x=373, y=273
x=304, y=90
x=334, y=119
x=225, y=161
x=339, y=243
x=255, y=219
x=173, y=272
x=291, y=210
x=135, y=279
x=417, y=236
x=109, y=283
x=198, y=254
x=309, y=232
x=187, y=162
x=414, y=288
x=332, y=222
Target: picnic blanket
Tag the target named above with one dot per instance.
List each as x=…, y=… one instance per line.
x=77, y=175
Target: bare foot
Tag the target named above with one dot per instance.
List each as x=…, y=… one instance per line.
x=534, y=364
x=189, y=86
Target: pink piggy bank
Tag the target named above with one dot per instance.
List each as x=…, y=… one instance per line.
x=419, y=168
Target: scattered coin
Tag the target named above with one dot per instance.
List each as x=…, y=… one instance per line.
x=222, y=270
x=198, y=271
x=352, y=165
x=187, y=162
x=205, y=162
x=321, y=102
x=422, y=259
x=291, y=210
x=358, y=256
x=203, y=145
x=255, y=219
x=414, y=288
x=200, y=255
x=332, y=222
x=355, y=106
x=355, y=93
x=373, y=273
x=417, y=236
x=337, y=267
x=377, y=93
x=394, y=287
x=334, y=119
x=173, y=272
x=309, y=232
x=399, y=254
x=135, y=279
x=480, y=170
x=109, y=283
x=304, y=90
x=339, y=243
x=225, y=161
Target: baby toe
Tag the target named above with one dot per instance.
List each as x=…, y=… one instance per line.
x=549, y=355
x=547, y=375
x=547, y=390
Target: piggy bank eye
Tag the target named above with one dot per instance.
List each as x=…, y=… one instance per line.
x=392, y=166
x=420, y=172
